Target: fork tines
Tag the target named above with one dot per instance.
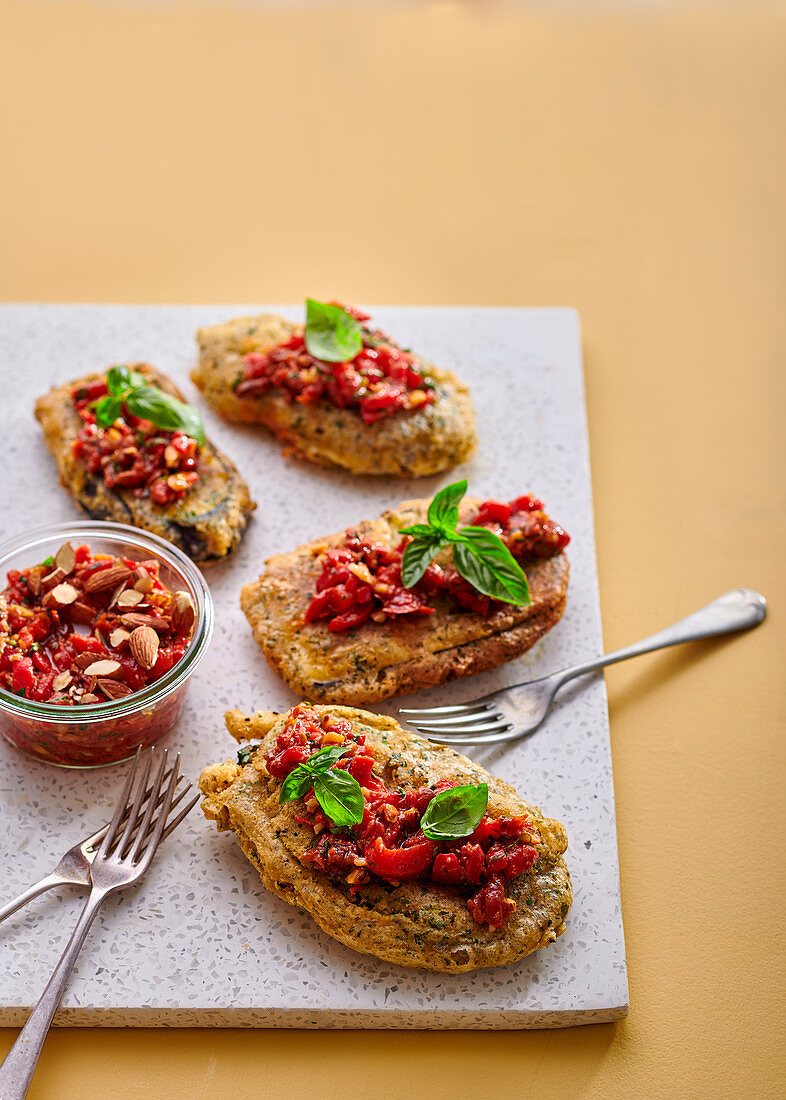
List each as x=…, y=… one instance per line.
x=145, y=810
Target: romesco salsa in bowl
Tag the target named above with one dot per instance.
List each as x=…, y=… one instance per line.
x=101, y=626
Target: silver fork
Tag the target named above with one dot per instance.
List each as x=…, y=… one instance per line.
x=73, y=868
x=121, y=859
x=517, y=711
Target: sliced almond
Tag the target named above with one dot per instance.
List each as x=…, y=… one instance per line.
x=103, y=668
x=130, y=598
x=62, y=680
x=116, y=594
x=34, y=581
x=143, y=644
x=143, y=581
x=62, y=595
x=82, y=612
x=89, y=698
x=107, y=578
x=51, y=579
x=113, y=689
x=84, y=660
x=183, y=612
x=118, y=637
x=65, y=558
x=135, y=619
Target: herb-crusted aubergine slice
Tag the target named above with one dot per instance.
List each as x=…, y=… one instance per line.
x=381, y=885
x=136, y=472
x=334, y=620
x=382, y=410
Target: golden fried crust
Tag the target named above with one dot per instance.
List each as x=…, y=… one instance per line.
x=419, y=924
x=208, y=523
x=377, y=660
x=418, y=444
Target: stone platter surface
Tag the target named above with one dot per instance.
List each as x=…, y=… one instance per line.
x=200, y=942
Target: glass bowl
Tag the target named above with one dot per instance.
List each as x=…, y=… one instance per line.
x=105, y=733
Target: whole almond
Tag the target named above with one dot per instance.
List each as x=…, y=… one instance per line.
x=181, y=608
x=65, y=558
x=118, y=637
x=107, y=578
x=130, y=598
x=62, y=595
x=81, y=612
x=143, y=644
x=113, y=688
x=102, y=668
x=62, y=680
x=135, y=619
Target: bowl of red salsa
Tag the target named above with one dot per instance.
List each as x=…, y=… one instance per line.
x=101, y=627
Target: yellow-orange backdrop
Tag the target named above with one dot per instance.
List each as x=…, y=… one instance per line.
x=627, y=160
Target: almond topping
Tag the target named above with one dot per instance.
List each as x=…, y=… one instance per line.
x=65, y=558
x=143, y=644
x=34, y=580
x=102, y=668
x=62, y=595
x=82, y=612
x=85, y=660
x=183, y=613
x=171, y=457
x=51, y=579
x=62, y=680
x=143, y=581
x=135, y=619
x=118, y=637
x=107, y=578
x=113, y=688
x=89, y=698
x=130, y=598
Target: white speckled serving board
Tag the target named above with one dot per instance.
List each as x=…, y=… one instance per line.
x=200, y=941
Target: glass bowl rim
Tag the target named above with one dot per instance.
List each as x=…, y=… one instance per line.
x=117, y=708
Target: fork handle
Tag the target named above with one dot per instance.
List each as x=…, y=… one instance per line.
x=46, y=883
x=739, y=609
x=17, y=1070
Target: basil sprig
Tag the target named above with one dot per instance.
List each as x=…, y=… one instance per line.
x=337, y=792
x=332, y=334
x=480, y=556
x=456, y=812
x=131, y=390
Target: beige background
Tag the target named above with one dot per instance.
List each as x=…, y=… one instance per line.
x=627, y=161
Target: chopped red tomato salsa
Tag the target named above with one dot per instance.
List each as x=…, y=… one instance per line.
x=83, y=628
x=389, y=843
x=133, y=453
x=361, y=579
x=381, y=380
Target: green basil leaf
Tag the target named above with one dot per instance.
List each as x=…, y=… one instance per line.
x=296, y=784
x=245, y=753
x=118, y=380
x=483, y=559
x=340, y=796
x=165, y=411
x=455, y=812
x=443, y=510
x=325, y=758
x=332, y=334
x=107, y=410
x=302, y=777
x=417, y=555
x=422, y=530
